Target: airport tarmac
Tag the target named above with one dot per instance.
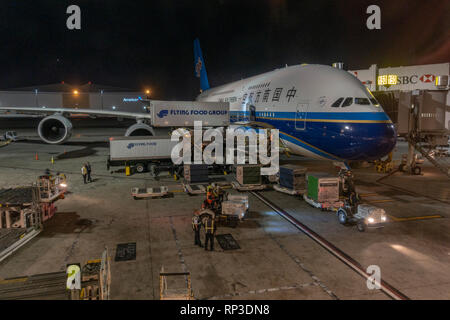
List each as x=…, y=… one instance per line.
x=275, y=259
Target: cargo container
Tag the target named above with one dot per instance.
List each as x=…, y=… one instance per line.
x=194, y=173
x=323, y=188
x=293, y=177
x=248, y=174
x=142, y=153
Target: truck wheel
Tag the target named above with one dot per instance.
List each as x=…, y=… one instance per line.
x=361, y=226
x=140, y=167
x=401, y=168
x=342, y=216
x=417, y=170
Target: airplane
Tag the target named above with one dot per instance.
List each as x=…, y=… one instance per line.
x=320, y=111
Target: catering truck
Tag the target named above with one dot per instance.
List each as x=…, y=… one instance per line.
x=147, y=153
x=185, y=113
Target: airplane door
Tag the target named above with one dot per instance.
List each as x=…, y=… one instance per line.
x=252, y=113
x=300, y=115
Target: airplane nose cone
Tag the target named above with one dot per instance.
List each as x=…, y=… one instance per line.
x=379, y=142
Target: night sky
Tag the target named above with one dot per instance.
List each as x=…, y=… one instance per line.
x=148, y=44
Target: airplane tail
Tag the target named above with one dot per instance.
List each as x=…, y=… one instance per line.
x=199, y=66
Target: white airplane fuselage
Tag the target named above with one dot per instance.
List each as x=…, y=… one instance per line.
x=302, y=101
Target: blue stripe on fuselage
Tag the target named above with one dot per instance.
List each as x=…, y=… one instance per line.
x=353, y=136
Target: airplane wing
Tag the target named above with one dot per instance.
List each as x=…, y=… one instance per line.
x=94, y=112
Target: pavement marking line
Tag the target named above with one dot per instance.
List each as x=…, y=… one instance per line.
x=180, y=253
x=414, y=218
x=335, y=251
x=368, y=194
x=24, y=279
x=237, y=294
x=304, y=268
x=381, y=201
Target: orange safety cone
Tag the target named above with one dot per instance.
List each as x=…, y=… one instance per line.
x=37, y=158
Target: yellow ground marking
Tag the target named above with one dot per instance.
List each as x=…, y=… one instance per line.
x=381, y=201
x=368, y=194
x=13, y=280
x=415, y=218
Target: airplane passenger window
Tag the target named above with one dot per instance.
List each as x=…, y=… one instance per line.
x=363, y=101
x=337, y=103
x=347, y=102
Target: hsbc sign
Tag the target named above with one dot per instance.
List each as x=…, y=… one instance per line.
x=421, y=77
x=425, y=78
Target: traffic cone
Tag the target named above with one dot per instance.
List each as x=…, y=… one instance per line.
x=37, y=158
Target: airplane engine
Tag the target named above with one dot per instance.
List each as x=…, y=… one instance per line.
x=55, y=129
x=140, y=129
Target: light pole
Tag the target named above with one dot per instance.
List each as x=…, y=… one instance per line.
x=101, y=94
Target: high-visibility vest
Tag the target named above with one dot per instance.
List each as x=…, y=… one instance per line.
x=83, y=170
x=209, y=226
x=210, y=197
x=195, y=223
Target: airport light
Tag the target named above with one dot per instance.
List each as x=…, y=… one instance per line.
x=75, y=92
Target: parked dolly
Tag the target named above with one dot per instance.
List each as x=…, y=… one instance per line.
x=155, y=192
x=365, y=216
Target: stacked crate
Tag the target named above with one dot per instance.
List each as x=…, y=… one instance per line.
x=323, y=188
x=293, y=177
x=194, y=173
x=248, y=174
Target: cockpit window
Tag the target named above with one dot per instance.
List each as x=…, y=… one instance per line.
x=363, y=101
x=337, y=103
x=372, y=98
x=347, y=102
x=374, y=102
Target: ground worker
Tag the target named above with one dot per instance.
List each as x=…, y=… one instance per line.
x=196, y=224
x=84, y=173
x=89, y=169
x=210, y=230
x=210, y=198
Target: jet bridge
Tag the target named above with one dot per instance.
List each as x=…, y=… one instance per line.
x=421, y=120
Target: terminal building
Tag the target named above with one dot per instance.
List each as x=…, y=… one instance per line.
x=63, y=95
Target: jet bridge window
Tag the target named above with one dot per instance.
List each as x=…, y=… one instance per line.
x=337, y=103
x=347, y=102
x=362, y=101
